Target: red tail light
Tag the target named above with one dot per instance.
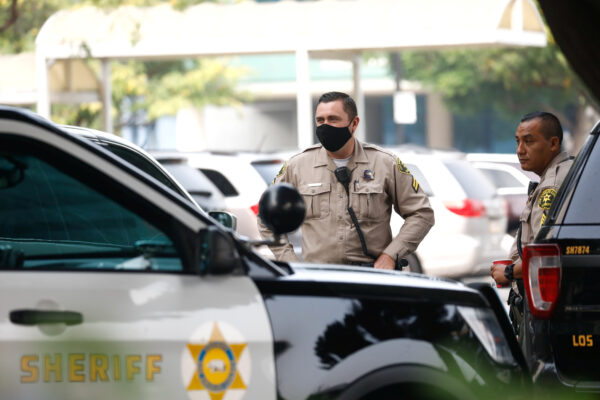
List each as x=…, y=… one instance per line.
x=541, y=276
x=254, y=209
x=466, y=208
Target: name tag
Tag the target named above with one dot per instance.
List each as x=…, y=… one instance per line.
x=314, y=184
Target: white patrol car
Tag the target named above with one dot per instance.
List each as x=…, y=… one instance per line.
x=113, y=286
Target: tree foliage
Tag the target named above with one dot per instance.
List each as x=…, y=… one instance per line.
x=142, y=91
x=508, y=81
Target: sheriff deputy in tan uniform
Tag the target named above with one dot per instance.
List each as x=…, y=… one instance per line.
x=539, y=138
x=378, y=181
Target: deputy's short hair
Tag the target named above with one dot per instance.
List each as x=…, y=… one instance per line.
x=549, y=124
x=347, y=102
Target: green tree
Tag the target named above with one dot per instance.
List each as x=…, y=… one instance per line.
x=507, y=81
x=142, y=90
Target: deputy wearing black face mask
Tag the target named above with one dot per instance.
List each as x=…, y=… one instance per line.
x=350, y=189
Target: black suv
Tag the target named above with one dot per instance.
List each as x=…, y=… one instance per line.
x=562, y=281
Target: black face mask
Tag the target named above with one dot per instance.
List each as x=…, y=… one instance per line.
x=333, y=138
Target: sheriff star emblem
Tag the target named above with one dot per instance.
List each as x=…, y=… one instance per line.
x=216, y=365
x=546, y=198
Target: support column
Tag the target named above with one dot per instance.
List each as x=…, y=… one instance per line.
x=359, y=98
x=303, y=100
x=43, y=87
x=439, y=123
x=107, y=121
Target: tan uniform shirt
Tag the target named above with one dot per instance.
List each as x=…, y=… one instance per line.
x=379, y=182
x=540, y=200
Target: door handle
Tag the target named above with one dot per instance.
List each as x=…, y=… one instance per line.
x=35, y=317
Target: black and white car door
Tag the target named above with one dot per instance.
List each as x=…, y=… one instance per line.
x=99, y=295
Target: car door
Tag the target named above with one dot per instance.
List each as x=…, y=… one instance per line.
x=99, y=297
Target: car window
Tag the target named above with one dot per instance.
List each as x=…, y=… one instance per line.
x=416, y=172
x=586, y=193
x=268, y=170
x=142, y=163
x=220, y=181
x=473, y=182
x=190, y=178
x=206, y=194
x=501, y=179
x=54, y=221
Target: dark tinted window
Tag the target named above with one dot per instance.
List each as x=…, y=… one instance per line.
x=582, y=208
x=47, y=215
x=473, y=182
x=220, y=181
x=268, y=170
x=142, y=163
x=416, y=172
x=501, y=179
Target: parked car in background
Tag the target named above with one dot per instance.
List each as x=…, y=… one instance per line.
x=470, y=218
x=268, y=166
x=236, y=181
x=502, y=158
x=511, y=184
x=206, y=194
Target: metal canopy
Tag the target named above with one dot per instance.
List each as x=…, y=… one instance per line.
x=327, y=28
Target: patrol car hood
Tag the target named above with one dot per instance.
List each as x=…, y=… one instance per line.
x=382, y=283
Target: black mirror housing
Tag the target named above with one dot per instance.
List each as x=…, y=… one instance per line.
x=218, y=254
x=281, y=208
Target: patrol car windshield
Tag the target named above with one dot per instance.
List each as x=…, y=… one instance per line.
x=49, y=219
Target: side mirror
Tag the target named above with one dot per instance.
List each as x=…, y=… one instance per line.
x=227, y=219
x=12, y=172
x=281, y=208
x=218, y=254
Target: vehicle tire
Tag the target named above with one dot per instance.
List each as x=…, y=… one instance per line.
x=413, y=263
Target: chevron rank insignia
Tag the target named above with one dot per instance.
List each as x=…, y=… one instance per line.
x=415, y=185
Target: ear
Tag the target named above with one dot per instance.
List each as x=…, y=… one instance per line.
x=354, y=123
x=554, y=144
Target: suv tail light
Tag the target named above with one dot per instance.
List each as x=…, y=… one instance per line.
x=466, y=208
x=541, y=276
x=254, y=209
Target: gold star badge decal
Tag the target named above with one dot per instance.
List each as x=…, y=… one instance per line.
x=216, y=365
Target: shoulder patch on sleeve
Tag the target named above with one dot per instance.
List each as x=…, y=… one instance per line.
x=401, y=167
x=546, y=198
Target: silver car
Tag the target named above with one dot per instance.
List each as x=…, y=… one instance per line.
x=470, y=219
